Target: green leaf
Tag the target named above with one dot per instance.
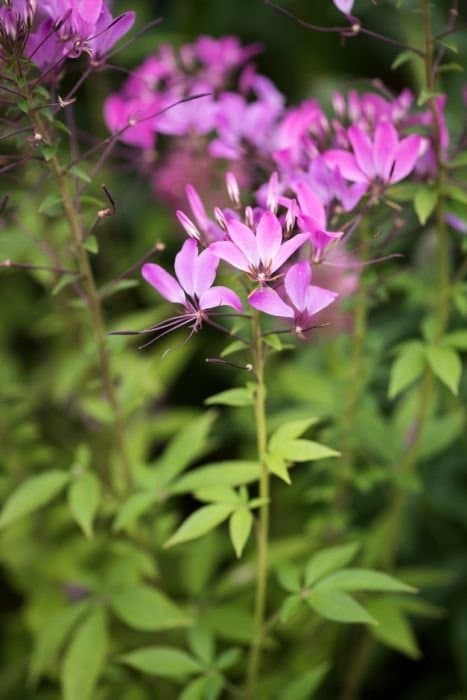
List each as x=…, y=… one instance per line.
x=85, y=657
x=51, y=637
x=446, y=364
x=459, y=161
x=338, y=606
x=304, y=686
x=290, y=607
x=363, y=580
x=289, y=431
x=278, y=466
x=304, y=451
x=32, y=494
x=91, y=244
x=425, y=202
x=145, y=608
x=401, y=58
x=165, y=662
x=228, y=658
x=217, y=494
x=79, y=173
x=427, y=95
x=229, y=473
x=187, y=446
x=327, y=560
x=240, y=525
x=201, y=640
x=290, y=578
x=231, y=397
x=50, y=205
x=407, y=368
x=235, y=346
x=200, y=522
x=456, y=339
x=132, y=508
x=196, y=689
x=84, y=496
x=393, y=628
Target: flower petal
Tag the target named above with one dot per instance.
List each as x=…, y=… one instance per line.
x=268, y=300
x=310, y=204
x=296, y=282
x=386, y=142
x=344, y=6
x=166, y=285
x=363, y=149
x=407, y=155
x=318, y=299
x=185, y=262
x=197, y=207
x=288, y=248
x=225, y=250
x=244, y=239
x=220, y=296
x=346, y=163
x=268, y=237
x=205, y=272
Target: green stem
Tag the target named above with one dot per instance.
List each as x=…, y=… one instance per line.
x=263, y=524
x=73, y=218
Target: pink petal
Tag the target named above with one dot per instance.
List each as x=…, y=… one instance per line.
x=296, y=282
x=268, y=237
x=166, y=285
x=310, y=204
x=318, y=299
x=407, y=155
x=288, y=248
x=346, y=163
x=245, y=240
x=185, y=262
x=344, y=6
x=205, y=272
x=386, y=142
x=321, y=239
x=363, y=149
x=269, y=301
x=225, y=250
x=196, y=206
x=220, y=296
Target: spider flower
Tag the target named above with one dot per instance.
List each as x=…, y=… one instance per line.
x=299, y=301
x=192, y=288
x=313, y=219
x=260, y=253
x=384, y=159
x=344, y=6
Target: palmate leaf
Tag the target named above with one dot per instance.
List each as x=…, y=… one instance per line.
x=166, y=662
x=200, y=522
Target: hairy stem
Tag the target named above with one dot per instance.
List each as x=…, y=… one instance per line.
x=263, y=524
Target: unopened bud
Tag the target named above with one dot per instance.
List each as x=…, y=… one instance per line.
x=233, y=188
x=188, y=225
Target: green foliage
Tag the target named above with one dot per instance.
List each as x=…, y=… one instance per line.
x=85, y=657
x=32, y=494
x=166, y=662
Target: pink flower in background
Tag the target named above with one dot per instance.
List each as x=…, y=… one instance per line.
x=385, y=158
x=192, y=288
x=260, y=253
x=344, y=6
x=299, y=299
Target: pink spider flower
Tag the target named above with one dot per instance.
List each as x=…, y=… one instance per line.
x=385, y=159
x=299, y=300
x=312, y=218
x=204, y=230
x=192, y=288
x=344, y=6
x=260, y=253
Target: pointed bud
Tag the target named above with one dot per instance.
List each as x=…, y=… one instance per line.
x=273, y=193
x=220, y=218
x=233, y=188
x=188, y=225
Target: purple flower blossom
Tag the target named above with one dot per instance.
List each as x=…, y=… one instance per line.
x=344, y=6
x=300, y=300
x=260, y=253
x=192, y=288
x=385, y=158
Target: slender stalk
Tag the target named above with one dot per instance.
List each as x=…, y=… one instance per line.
x=359, y=660
x=263, y=524
x=78, y=234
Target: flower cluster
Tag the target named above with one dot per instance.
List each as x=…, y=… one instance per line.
x=53, y=30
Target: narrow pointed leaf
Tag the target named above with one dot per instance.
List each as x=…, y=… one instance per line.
x=145, y=608
x=446, y=364
x=240, y=525
x=166, y=662
x=363, y=580
x=85, y=658
x=289, y=431
x=84, y=496
x=327, y=560
x=32, y=494
x=339, y=607
x=201, y=522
